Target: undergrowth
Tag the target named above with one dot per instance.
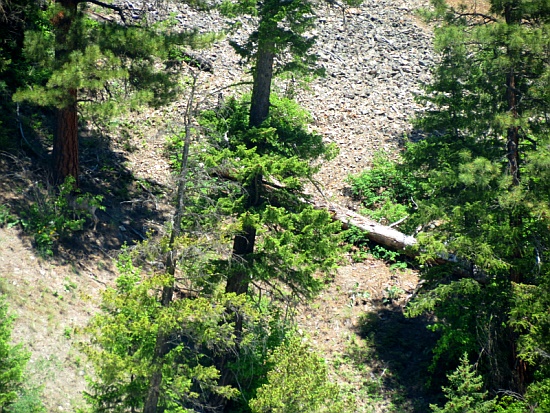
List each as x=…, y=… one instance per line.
x=386, y=191
x=53, y=216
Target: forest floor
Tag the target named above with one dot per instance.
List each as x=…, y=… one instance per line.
x=357, y=323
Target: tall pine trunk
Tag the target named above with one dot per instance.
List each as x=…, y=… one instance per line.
x=261, y=90
x=65, y=144
x=243, y=244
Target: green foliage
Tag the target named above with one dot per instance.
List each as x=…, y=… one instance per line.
x=468, y=204
x=53, y=216
x=359, y=242
x=392, y=293
x=362, y=248
x=281, y=28
x=295, y=240
x=529, y=316
x=29, y=400
x=465, y=395
x=462, y=331
x=124, y=338
x=536, y=399
x=113, y=67
x=298, y=382
x=385, y=254
x=16, y=16
x=6, y=218
x=386, y=190
x=12, y=360
x=285, y=133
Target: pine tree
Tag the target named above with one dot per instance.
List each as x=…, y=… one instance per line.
x=488, y=128
x=266, y=148
x=464, y=394
x=280, y=32
x=298, y=382
x=280, y=29
x=84, y=63
x=125, y=336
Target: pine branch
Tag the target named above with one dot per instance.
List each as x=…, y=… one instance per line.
x=119, y=10
x=487, y=18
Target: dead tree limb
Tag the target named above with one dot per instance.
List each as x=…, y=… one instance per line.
x=381, y=234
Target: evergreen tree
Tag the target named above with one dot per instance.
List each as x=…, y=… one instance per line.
x=266, y=148
x=15, y=17
x=280, y=242
x=298, y=382
x=465, y=395
x=280, y=32
x=481, y=180
x=87, y=64
x=124, y=345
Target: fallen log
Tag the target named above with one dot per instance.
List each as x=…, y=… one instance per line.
x=390, y=237
x=381, y=234
x=375, y=231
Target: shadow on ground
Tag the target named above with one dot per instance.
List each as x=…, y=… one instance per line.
x=131, y=206
x=403, y=348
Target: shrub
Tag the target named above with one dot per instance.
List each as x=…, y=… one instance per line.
x=52, y=217
x=298, y=383
x=385, y=190
x=12, y=360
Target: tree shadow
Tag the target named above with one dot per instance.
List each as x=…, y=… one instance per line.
x=132, y=209
x=402, y=348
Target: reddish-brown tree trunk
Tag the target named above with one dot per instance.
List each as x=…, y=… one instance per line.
x=65, y=144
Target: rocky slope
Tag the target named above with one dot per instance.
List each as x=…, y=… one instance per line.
x=376, y=56
x=375, y=60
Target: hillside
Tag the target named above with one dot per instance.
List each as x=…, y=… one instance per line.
x=376, y=56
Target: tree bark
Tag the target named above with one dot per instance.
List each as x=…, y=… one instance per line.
x=261, y=90
x=65, y=144
x=243, y=243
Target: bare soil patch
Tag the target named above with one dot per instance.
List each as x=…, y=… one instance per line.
x=357, y=323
